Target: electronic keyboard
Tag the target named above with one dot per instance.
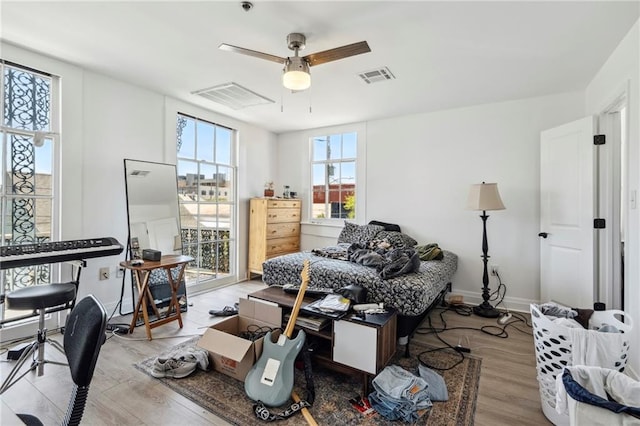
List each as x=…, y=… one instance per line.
x=57, y=251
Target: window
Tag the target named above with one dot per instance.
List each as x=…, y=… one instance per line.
x=206, y=190
x=27, y=188
x=333, y=169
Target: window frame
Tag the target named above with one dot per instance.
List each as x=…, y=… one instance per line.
x=52, y=135
x=226, y=278
x=360, y=173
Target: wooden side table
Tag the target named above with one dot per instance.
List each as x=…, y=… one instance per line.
x=145, y=298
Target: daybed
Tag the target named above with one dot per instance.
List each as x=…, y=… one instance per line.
x=412, y=294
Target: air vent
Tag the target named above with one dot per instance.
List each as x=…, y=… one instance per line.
x=377, y=75
x=233, y=95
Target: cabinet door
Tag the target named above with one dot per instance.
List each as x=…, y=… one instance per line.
x=355, y=345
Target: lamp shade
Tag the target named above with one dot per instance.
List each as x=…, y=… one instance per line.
x=296, y=74
x=484, y=196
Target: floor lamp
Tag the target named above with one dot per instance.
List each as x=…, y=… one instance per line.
x=485, y=196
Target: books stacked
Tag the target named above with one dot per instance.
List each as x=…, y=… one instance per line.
x=332, y=306
x=310, y=322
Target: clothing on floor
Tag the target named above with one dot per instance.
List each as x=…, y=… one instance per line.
x=399, y=394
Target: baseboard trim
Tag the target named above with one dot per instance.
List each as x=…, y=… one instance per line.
x=516, y=304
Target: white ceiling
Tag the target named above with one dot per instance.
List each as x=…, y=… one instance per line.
x=443, y=54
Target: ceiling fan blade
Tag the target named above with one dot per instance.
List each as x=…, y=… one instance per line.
x=337, y=53
x=249, y=52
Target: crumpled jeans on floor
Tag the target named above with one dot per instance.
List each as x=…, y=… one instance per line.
x=399, y=394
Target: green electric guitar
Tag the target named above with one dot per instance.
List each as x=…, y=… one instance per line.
x=270, y=380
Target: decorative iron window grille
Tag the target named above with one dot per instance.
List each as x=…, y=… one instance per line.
x=27, y=187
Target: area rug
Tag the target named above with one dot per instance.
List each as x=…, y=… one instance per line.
x=225, y=396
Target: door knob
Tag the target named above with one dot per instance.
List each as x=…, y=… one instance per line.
x=543, y=235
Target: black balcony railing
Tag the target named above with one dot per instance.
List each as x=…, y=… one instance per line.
x=210, y=251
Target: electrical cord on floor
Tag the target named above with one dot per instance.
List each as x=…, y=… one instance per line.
x=139, y=339
x=448, y=347
x=496, y=294
x=492, y=330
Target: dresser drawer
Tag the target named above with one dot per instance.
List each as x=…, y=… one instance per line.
x=282, y=230
x=283, y=204
x=283, y=215
x=282, y=245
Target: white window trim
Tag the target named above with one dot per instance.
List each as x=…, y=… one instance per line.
x=361, y=177
x=174, y=107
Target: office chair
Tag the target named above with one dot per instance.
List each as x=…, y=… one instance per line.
x=83, y=337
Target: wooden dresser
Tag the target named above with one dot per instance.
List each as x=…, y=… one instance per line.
x=274, y=229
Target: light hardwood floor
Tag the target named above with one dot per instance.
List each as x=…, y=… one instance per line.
x=122, y=395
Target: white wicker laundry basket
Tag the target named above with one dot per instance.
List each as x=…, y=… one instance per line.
x=553, y=353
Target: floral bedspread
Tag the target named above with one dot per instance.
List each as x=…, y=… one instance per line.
x=410, y=294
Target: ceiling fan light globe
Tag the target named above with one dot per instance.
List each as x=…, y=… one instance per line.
x=296, y=80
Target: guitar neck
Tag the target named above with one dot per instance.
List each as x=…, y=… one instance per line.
x=288, y=331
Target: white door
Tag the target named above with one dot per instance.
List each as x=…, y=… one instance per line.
x=567, y=208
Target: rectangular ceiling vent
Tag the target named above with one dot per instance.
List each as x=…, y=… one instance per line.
x=377, y=75
x=233, y=95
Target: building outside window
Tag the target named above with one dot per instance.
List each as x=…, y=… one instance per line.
x=207, y=194
x=333, y=170
x=28, y=188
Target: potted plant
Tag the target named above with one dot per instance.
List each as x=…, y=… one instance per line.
x=268, y=189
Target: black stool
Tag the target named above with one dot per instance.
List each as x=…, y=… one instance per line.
x=38, y=298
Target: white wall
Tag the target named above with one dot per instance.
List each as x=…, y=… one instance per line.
x=105, y=120
x=621, y=73
x=418, y=172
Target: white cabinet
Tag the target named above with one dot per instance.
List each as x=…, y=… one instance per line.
x=355, y=345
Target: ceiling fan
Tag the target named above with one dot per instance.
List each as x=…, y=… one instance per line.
x=296, y=68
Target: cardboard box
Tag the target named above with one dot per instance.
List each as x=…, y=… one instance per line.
x=233, y=355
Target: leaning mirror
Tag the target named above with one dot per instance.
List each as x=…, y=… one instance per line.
x=154, y=219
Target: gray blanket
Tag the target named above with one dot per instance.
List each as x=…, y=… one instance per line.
x=389, y=263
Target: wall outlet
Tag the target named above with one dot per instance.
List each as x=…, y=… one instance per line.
x=104, y=274
x=494, y=270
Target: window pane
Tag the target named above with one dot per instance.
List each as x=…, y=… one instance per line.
x=335, y=147
x=333, y=172
x=186, y=137
x=27, y=100
x=223, y=146
x=204, y=138
x=349, y=144
x=319, y=174
x=335, y=203
x=188, y=220
x=319, y=208
x=225, y=185
x=27, y=220
x=207, y=188
x=348, y=172
x=187, y=180
x=225, y=216
x=319, y=149
x=28, y=166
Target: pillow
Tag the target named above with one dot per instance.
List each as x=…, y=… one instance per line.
x=361, y=234
x=387, y=226
x=396, y=239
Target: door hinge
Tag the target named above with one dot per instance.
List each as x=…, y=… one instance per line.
x=599, y=139
x=599, y=224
